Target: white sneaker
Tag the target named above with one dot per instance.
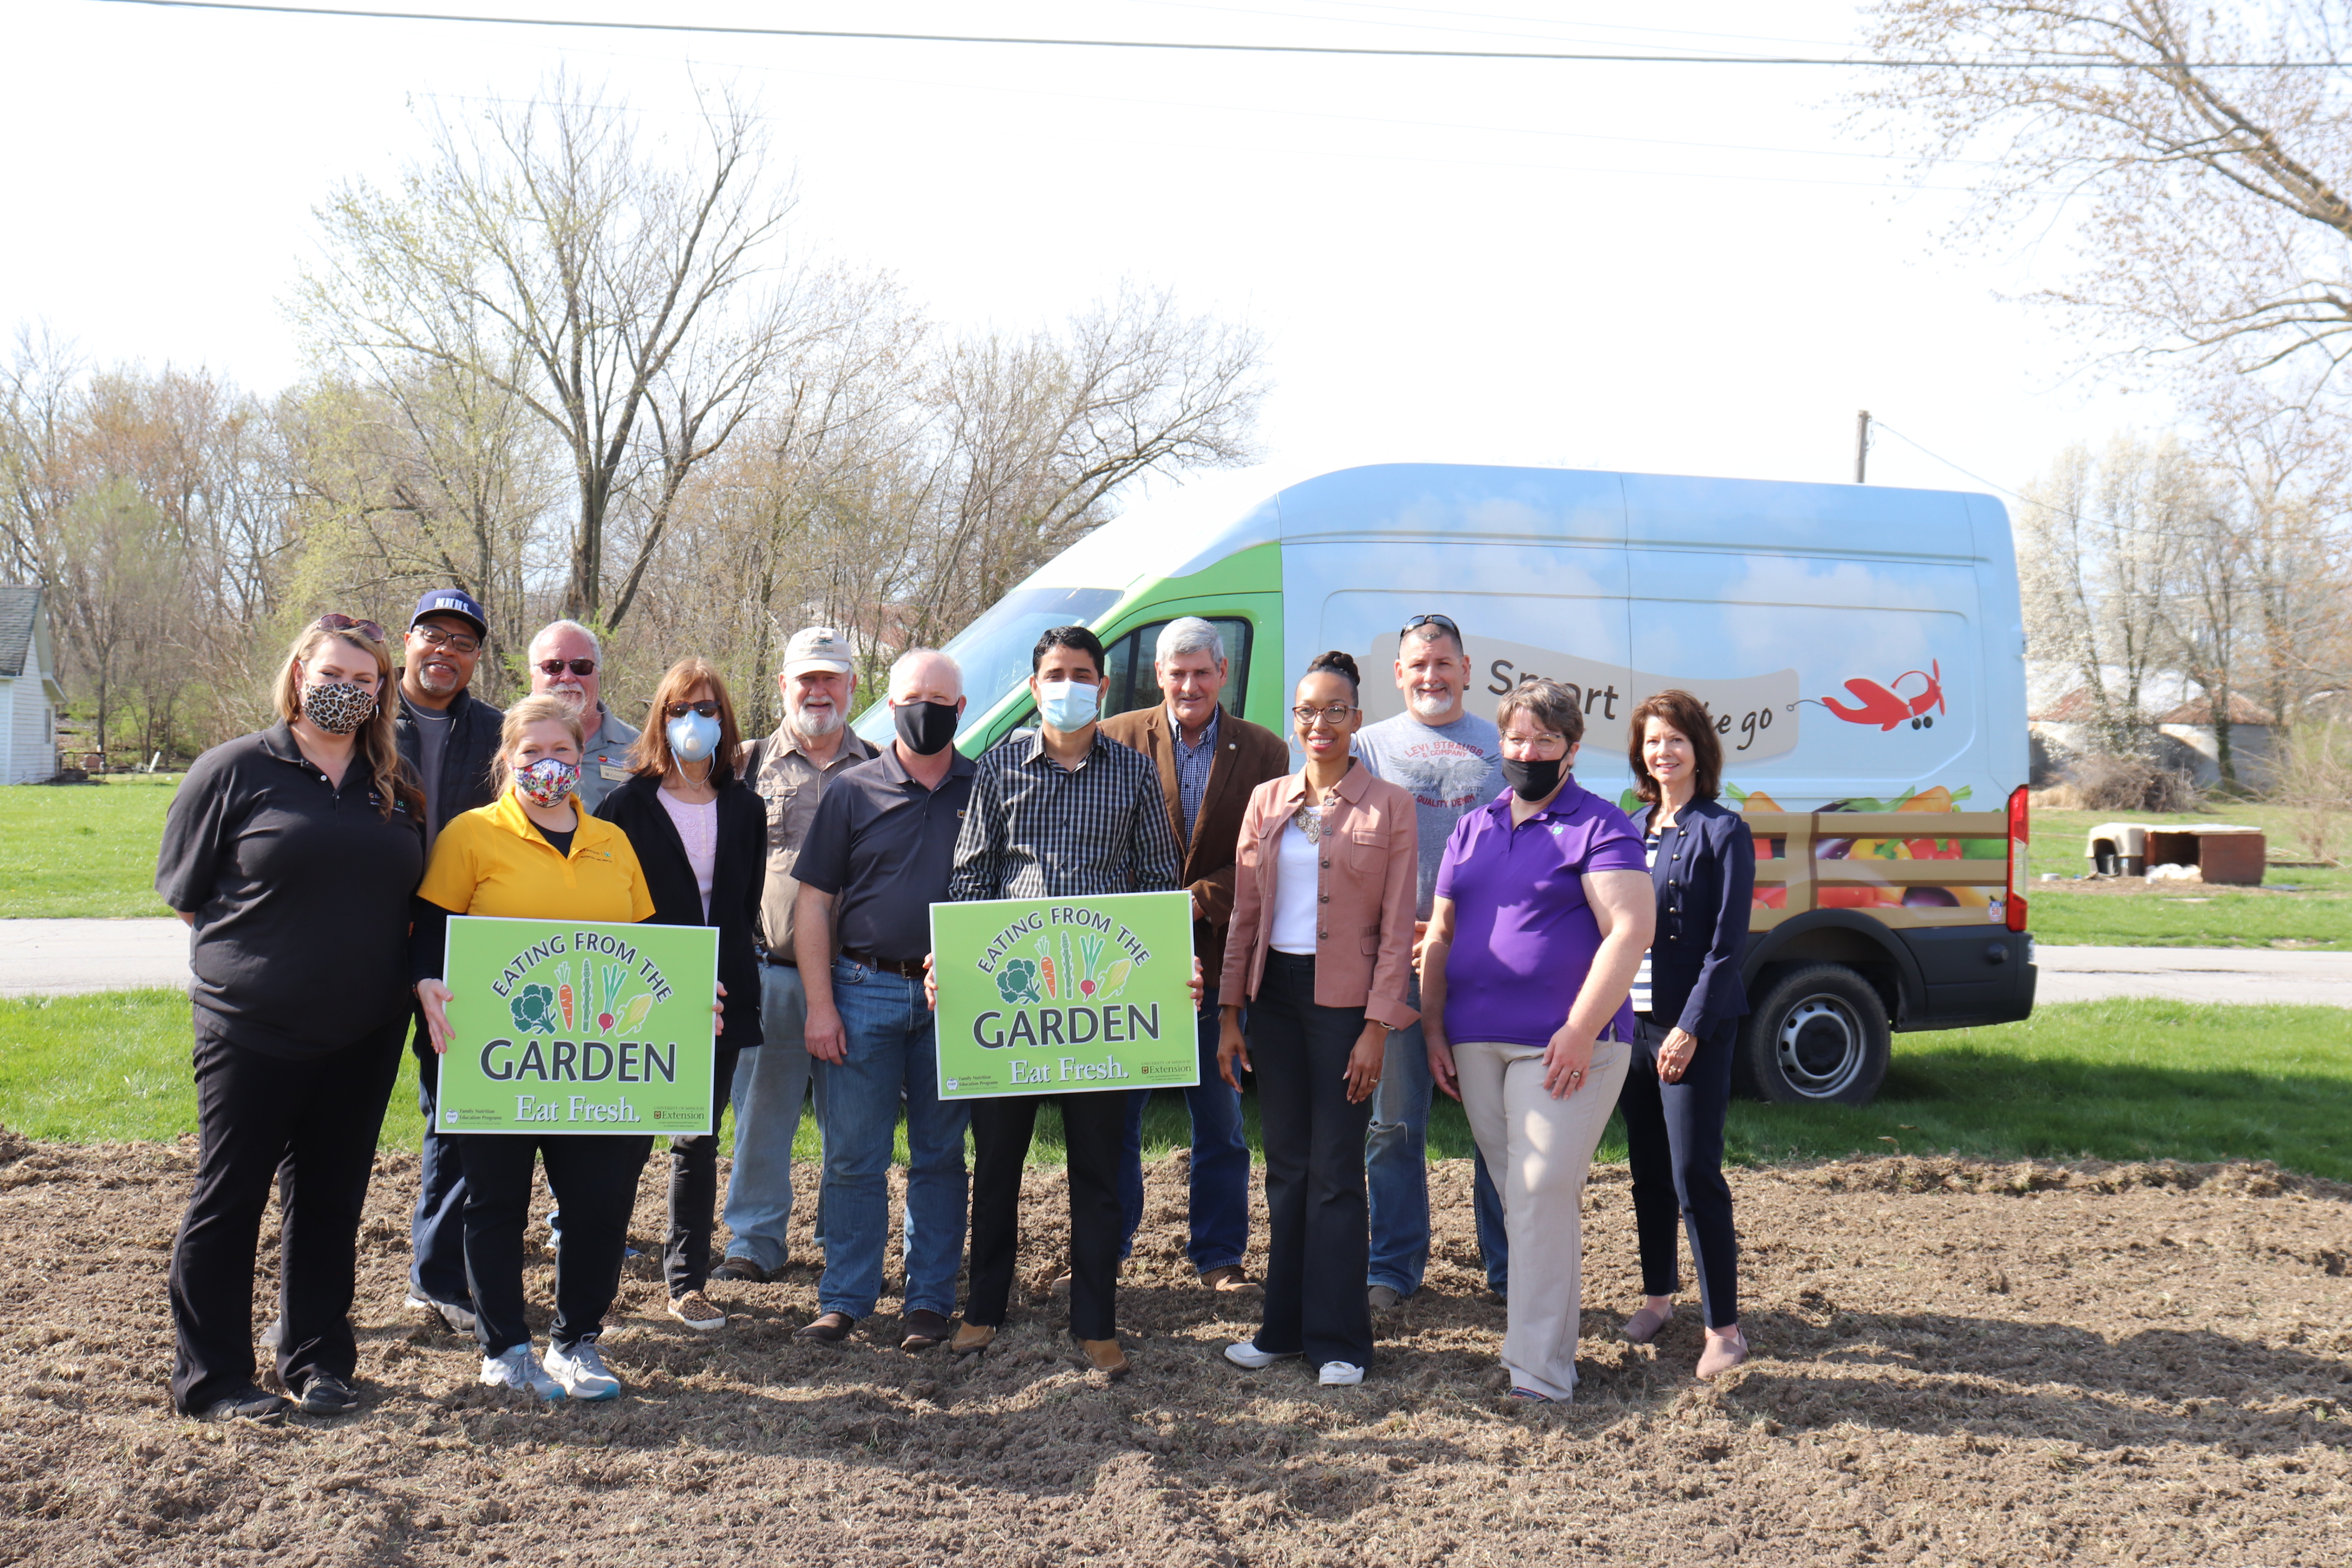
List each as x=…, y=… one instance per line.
x=459, y=1319
x=1340, y=1375
x=517, y=1368
x=1244, y=1353
x=581, y=1369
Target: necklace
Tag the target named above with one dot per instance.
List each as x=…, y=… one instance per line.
x=1310, y=823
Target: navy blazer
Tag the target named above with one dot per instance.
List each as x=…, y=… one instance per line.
x=736, y=881
x=1706, y=881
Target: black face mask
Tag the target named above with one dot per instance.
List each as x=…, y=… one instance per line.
x=926, y=727
x=1533, y=781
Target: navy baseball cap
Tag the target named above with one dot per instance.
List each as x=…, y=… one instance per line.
x=452, y=602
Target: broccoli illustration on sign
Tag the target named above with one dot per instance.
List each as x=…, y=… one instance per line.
x=1017, y=981
x=534, y=1010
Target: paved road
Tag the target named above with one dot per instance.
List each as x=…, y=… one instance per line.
x=58, y=958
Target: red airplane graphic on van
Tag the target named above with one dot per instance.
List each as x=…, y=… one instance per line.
x=1887, y=707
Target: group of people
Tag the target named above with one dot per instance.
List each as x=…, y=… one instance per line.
x=1429, y=903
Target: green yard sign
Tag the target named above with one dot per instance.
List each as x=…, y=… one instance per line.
x=1064, y=995
x=563, y=1026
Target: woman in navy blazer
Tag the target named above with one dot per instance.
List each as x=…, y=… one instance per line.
x=1688, y=1000
x=701, y=838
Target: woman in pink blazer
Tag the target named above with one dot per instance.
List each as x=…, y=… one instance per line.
x=1320, y=951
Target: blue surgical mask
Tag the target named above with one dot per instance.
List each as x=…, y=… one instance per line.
x=1067, y=705
x=692, y=737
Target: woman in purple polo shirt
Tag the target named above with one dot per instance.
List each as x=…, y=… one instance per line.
x=1543, y=910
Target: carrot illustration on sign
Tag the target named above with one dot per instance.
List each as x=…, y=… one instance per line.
x=563, y=990
x=1045, y=967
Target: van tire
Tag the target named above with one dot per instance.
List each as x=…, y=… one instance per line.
x=1818, y=1033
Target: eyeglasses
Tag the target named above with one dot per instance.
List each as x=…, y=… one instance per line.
x=341, y=623
x=1443, y=623
x=557, y=666
x=680, y=710
x=456, y=642
x=1329, y=718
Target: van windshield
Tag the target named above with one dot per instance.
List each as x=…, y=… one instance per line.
x=993, y=651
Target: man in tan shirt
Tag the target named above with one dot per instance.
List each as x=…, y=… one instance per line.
x=789, y=770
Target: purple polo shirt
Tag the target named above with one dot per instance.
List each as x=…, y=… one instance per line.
x=1524, y=936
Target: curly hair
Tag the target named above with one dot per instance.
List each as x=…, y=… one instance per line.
x=1682, y=712
x=377, y=742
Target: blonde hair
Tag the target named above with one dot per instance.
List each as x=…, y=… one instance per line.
x=377, y=742
x=532, y=710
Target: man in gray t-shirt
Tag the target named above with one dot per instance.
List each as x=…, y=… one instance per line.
x=1450, y=761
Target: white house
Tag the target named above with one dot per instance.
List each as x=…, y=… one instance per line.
x=29, y=697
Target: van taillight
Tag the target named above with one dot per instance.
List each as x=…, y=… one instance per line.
x=2020, y=870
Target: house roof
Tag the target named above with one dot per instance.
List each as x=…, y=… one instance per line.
x=2200, y=710
x=2075, y=708
x=20, y=613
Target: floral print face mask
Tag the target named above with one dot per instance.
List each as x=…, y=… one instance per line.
x=546, y=781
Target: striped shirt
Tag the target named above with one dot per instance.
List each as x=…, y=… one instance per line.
x=1037, y=829
x=1193, y=765
x=1641, y=997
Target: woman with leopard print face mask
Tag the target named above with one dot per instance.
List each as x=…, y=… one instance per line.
x=292, y=854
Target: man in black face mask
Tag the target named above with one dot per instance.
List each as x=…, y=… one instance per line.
x=877, y=856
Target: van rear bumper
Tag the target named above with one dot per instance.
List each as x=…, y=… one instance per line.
x=1967, y=976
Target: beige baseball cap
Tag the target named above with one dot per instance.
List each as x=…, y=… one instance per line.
x=817, y=648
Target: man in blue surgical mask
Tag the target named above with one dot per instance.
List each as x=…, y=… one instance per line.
x=1065, y=812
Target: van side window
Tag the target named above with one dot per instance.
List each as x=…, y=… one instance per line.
x=1128, y=680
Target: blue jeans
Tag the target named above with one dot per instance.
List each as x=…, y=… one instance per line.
x=1221, y=1161
x=891, y=1050
x=771, y=1083
x=1396, y=1168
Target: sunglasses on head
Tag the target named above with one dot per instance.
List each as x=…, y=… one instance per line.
x=1443, y=623
x=680, y=710
x=341, y=623
x=557, y=666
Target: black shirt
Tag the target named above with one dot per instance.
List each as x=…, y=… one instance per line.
x=884, y=847
x=300, y=893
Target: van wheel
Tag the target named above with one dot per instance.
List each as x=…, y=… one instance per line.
x=1820, y=1033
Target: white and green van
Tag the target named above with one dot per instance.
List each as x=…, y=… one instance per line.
x=1862, y=649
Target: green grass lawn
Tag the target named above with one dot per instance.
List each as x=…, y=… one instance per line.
x=82, y=849
x=2318, y=915
x=2113, y=1080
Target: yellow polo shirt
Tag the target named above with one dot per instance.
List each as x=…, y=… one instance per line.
x=492, y=861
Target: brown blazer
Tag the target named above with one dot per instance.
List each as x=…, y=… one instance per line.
x=1247, y=755
x=1369, y=877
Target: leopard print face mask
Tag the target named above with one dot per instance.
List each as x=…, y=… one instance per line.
x=337, y=707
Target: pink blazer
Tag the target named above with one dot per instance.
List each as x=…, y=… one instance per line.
x=1367, y=884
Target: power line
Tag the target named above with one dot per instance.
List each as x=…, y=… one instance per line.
x=1212, y=47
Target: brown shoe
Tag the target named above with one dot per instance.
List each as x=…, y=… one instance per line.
x=921, y=1329
x=1105, y=1357
x=1644, y=1326
x=829, y=1329
x=1232, y=1280
x=1724, y=1351
x=971, y=1339
x=741, y=1270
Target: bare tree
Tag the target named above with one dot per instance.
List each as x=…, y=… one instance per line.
x=2204, y=155
x=636, y=303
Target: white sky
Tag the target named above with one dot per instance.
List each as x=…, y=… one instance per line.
x=1677, y=269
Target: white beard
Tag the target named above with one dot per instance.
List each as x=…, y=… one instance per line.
x=816, y=726
x=1427, y=707
x=575, y=700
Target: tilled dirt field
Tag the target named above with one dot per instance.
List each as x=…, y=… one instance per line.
x=1957, y=1364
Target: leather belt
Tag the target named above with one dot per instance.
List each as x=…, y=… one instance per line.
x=781, y=960
x=905, y=968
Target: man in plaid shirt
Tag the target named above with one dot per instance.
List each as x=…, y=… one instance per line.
x=1065, y=812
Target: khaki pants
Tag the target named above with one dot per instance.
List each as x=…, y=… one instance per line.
x=1540, y=1149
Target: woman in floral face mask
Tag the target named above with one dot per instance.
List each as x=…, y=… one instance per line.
x=532, y=854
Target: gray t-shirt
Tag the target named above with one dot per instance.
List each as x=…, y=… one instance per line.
x=432, y=740
x=1447, y=768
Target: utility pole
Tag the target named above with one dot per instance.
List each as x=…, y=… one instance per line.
x=1861, y=446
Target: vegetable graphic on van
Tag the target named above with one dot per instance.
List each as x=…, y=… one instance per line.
x=1885, y=706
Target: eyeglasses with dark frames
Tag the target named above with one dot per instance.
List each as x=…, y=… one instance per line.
x=1443, y=623
x=1329, y=718
x=557, y=666
x=456, y=642
x=341, y=623
x=680, y=710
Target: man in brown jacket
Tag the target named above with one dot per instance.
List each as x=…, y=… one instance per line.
x=1209, y=761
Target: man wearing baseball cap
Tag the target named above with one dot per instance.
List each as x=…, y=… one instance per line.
x=790, y=769
x=449, y=737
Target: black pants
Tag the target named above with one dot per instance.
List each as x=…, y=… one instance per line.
x=694, y=1188
x=1319, y=1225
x=1094, y=1129
x=1674, y=1142
x=312, y=1125
x=595, y=1178
x=436, y=1231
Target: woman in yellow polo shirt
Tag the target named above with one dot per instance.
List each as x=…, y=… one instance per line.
x=532, y=854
